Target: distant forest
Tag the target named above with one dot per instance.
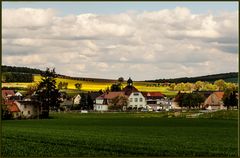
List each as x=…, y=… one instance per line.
x=24, y=74
x=228, y=77
x=18, y=74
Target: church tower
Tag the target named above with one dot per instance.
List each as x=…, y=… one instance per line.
x=130, y=82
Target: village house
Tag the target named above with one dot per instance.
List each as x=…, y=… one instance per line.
x=136, y=101
x=29, y=109
x=214, y=101
x=105, y=100
x=165, y=104
x=77, y=99
x=23, y=109
x=13, y=109
x=100, y=104
x=153, y=100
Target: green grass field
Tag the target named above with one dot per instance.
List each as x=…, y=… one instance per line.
x=119, y=134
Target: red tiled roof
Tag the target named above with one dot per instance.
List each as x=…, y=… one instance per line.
x=219, y=95
x=214, y=99
x=7, y=93
x=13, y=108
x=111, y=95
x=152, y=94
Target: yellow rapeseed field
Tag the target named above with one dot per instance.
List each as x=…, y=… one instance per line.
x=95, y=86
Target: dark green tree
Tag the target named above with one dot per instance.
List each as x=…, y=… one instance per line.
x=89, y=102
x=230, y=99
x=198, y=99
x=116, y=87
x=233, y=99
x=118, y=102
x=83, y=102
x=47, y=93
x=78, y=86
x=120, y=79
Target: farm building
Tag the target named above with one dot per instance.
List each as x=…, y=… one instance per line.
x=214, y=101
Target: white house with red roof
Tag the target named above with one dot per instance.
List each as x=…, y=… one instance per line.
x=214, y=101
x=13, y=109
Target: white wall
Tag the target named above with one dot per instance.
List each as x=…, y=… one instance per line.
x=99, y=101
x=98, y=107
x=27, y=110
x=136, y=99
x=77, y=99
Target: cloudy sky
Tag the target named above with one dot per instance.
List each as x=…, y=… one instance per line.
x=146, y=40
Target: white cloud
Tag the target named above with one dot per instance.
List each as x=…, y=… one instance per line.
x=144, y=45
x=27, y=17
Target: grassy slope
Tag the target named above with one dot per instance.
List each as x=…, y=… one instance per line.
x=120, y=134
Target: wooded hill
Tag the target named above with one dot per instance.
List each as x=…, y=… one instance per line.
x=24, y=74
x=227, y=77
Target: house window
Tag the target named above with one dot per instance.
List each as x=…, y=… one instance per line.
x=136, y=94
x=136, y=99
x=131, y=99
x=141, y=99
x=28, y=112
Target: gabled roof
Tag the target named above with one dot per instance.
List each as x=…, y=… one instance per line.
x=101, y=96
x=13, y=108
x=110, y=95
x=129, y=89
x=153, y=94
x=18, y=94
x=219, y=95
x=214, y=99
x=7, y=93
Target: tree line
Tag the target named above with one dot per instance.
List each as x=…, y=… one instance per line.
x=16, y=77
x=195, y=100
x=207, y=78
x=5, y=68
x=218, y=85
